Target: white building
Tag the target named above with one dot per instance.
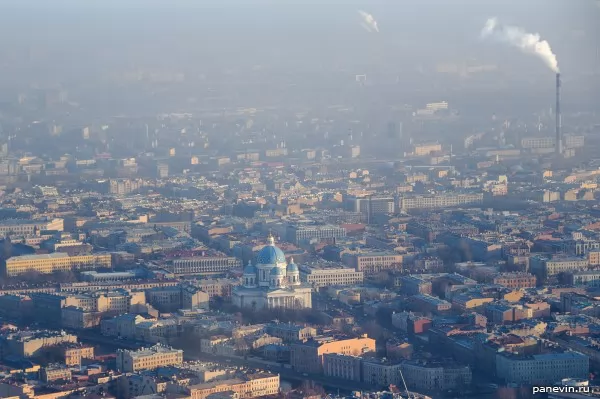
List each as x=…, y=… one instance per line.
x=541, y=369
x=326, y=275
x=272, y=283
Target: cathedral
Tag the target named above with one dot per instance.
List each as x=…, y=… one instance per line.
x=272, y=282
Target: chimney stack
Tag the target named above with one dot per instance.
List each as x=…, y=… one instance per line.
x=559, y=138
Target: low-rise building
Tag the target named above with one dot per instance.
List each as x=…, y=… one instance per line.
x=541, y=369
x=325, y=275
x=428, y=303
x=32, y=343
x=183, y=296
x=55, y=262
x=55, y=372
x=148, y=358
x=381, y=372
x=308, y=356
x=543, y=266
x=433, y=376
x=291, y=332
x=588, y=278
x=73, y=354
x=217, y=287
x=203, y=265
x=249, y=386
x=371, y=263
x=412, y=285
x=515, y=280
x=218, y=345
x=345, y=367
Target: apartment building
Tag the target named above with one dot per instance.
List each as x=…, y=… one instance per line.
x=183, y=296
x=74, y=354
x=148, y=358
x=124, y=186
x=594, y=258
x=218, y=287
x=412, y=285
x=203, y=265
x=544, y=267
x=249, y=386
x=541, y=369
x=31, y=343
x=55, y=372
x=22, y=227
x=407, y=203
x=299, y=232
x=290, y=332
x=373, y=262
x=15, y=306
x=588, y=278
x=380, y=372
x=55, y=262
x=342, y=366
x=218, y=345
x=515, y=280
x=124, y=325
x=370, y=206
x=433, y=376
x=570, y=140
x=308, y=356
x=427, y=303
x=327, y=275
x=428, y=148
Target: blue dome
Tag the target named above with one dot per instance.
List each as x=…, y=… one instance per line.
x=292, y=268
x=276, y=271
x=270, y=255
x=250, y=269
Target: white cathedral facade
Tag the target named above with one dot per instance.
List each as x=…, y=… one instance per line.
x=272, y=283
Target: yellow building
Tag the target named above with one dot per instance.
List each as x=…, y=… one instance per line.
x=74, y=354
x=55, y=262
x=148, y=358
x=464, y=302
x=594, y=258
x=426, y=149
x=308, y=357
x=250, y=386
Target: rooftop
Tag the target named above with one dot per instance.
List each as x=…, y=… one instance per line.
x=152, y=351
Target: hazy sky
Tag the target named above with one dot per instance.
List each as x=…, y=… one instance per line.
x=307, y=32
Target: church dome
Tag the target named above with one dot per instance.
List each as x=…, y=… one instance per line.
x=250, y=269
x=292, y=268
x=276, y=271
x=270, y=254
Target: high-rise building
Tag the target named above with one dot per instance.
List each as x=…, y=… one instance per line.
x=370, y=206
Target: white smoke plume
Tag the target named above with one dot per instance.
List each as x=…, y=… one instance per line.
x=529, y=43
x=368, y=22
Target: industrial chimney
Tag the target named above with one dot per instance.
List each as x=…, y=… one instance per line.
x=559, y=139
